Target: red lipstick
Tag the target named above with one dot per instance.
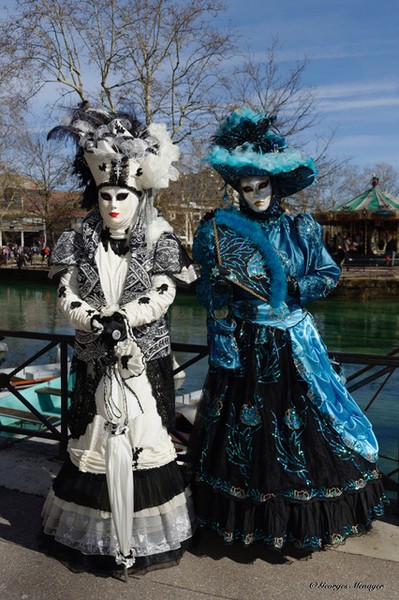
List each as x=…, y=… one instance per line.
x=113, y=214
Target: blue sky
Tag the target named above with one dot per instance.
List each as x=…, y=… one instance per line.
x=353, y=52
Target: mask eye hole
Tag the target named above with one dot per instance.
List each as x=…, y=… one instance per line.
x=106, y=196
x=122, y=196
x=264, y=184
x=247, y=189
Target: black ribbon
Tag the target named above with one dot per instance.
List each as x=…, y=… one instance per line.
x=119, y=247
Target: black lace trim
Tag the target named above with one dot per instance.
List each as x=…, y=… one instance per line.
x=160, y=376
x=83, y=405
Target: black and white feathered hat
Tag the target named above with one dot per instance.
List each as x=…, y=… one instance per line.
x=114, y=149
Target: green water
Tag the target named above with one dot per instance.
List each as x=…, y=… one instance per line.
x=369, y=327
x=346, y=325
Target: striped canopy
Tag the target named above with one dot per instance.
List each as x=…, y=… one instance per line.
x=373, y=199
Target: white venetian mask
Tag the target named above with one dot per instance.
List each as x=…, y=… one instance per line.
x=118, y=207
x=257, y=192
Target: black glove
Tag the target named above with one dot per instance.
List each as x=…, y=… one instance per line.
x=114, y=329
x=292, y=287
x=209, y=216
x=95, y=323
x=219, y=277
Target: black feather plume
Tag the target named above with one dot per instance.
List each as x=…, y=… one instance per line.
x=248, y=132
x=83, y=125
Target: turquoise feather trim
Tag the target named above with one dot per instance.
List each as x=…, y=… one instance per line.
x=238, y=142
x=273, y=163
x=253, y=231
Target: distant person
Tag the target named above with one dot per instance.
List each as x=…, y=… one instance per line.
x=391, y=250
x=340, y=256
x=20, y=259
x=358, y=240
x=347, y=244
x=48, y=251
x=340, y=238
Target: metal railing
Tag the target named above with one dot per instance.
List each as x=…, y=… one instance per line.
x=49, y=429
x=365, y=376
x=376, y=368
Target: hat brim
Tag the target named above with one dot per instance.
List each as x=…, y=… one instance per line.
x=284, y=184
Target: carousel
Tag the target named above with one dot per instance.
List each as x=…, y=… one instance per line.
x=364, y=225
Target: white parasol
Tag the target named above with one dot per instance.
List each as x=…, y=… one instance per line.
x=118, y=405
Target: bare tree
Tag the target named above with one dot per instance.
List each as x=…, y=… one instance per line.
x=326, y=191
x=388, y=177
x=176, y=56
x=41, y=164
x=167, y=60
x=50, y=39
x=14, y=94
x=10, y=191
x=262, y=83
x=162, y=56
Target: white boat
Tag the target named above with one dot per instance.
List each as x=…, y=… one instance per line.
x=40, y=385
x=186, y=404
x=3, y=346
x=31, y=375
x=42, y=397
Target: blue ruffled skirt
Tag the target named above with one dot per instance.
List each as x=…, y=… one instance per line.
x=280, y=450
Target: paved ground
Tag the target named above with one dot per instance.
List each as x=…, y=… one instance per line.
x=368, y=272
x=365, y=567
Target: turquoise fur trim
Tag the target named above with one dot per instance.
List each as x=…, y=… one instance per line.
x=281, y=159
x=273, y=163
x=253, y=231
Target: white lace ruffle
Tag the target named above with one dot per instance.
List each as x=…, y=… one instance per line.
x=155, y=530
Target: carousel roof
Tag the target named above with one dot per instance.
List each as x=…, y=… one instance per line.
x=373, y=199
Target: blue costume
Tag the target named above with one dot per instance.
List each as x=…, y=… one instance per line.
x=281, y=452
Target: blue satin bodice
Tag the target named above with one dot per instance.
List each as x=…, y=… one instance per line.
x=295, y=242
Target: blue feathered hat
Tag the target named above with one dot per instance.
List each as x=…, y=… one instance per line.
x=245, y=146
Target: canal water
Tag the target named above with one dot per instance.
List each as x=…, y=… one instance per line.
x=370, y=327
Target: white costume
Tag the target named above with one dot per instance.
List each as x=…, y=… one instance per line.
x=121, y=494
